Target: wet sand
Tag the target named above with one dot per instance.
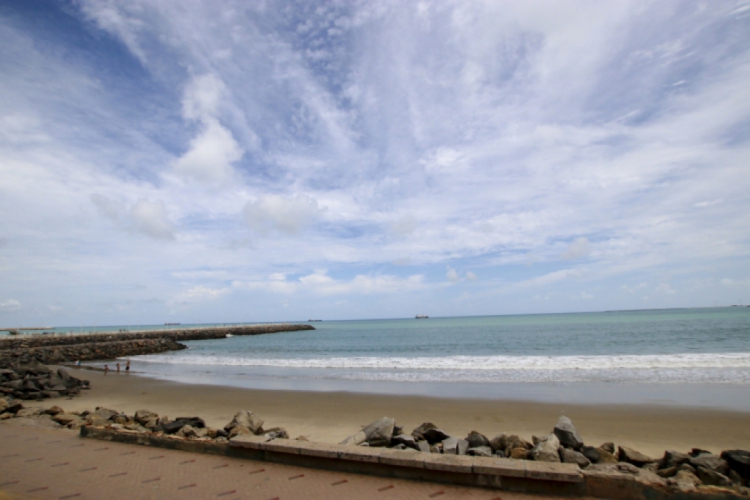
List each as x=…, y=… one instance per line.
x=332, y=416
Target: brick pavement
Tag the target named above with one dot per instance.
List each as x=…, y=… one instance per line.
x=57, y=464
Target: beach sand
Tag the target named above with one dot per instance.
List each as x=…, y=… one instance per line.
x=332, y=416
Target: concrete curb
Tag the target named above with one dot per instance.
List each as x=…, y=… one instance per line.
x=493, y=473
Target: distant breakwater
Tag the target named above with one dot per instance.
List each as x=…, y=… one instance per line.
x=55, y=349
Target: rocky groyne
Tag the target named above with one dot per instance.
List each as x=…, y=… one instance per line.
x=56, y=349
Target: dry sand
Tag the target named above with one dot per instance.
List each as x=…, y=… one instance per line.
x=332, y=416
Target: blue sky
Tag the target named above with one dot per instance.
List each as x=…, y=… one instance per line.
x=211, y=161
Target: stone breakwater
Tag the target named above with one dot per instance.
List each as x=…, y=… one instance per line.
x=56, y=349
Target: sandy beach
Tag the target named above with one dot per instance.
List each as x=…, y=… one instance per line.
x=332, y=416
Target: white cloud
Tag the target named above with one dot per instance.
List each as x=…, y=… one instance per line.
x=10, y=305
x=470, y=276
x=151, y=219
x=213, y=151
x=665, y=288
x=319, y=282
x=577, y=249
x=200, y=293
x=452, y=275
x=288, y=215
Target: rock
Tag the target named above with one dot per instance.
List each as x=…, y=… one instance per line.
x=65, y=419
x=50, y=394
x=507, y=443
x=651, y=467
x=29, y=412
x=450, y=446
x=144, y=416
x=739, y=461
x=569, y=456
x=546, y=449
x=713, y=478
x=247, y=419
x=684, y=480
x=687, y=467
x=187, y=431
x=610, y=447
x=567, y=434
x=480, y=451
x=136, y=427
x=631, y=456
x=668, y=472
x=418, y=433
x=105, y=413
x=301, y=438
x=673, y=459
x=711, y=462
x=6, y=416
x=591, y=453
x=238, y=430
x=697, y=451
x=477, y=440
x=434, y=448
x=424, y=446
x=380, y=432
x=13, y=407
x=435, y=435
x=276, y=433
x=174, y=427
x=96, y=420
x=463, y=447
x=407, y=441
x=735, y=477
x=54, y=410
x=196, y=422
x=355, y=439
x=517, y=453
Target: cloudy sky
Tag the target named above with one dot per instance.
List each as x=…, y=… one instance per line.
x=227, y=160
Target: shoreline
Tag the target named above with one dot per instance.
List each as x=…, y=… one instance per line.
x=330, y=417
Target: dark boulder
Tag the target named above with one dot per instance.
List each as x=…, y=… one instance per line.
x=591, y=453
x=477, y=440
x=567, y=434
x=418, y=433
x=711, y=462
x=435, y=435
x=407, y=441
x=569, y=456
x=673, y=459
x=739, y=461
x=713, y=478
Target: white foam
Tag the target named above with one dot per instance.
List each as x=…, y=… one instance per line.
x=683, y=368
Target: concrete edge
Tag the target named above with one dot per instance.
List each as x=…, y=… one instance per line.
x=493, y=473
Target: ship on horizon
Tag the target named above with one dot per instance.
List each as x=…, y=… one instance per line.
x=421, y=316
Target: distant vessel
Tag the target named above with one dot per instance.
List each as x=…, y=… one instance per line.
x=421, y=316
x=172, y=324
x=313, y=320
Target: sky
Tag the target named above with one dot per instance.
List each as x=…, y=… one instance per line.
x=227, y=161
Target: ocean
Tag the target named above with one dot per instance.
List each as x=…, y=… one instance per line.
x=691, y=357
x=688, y=357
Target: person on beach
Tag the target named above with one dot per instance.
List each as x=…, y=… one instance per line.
x=106, y=369
x=118, y=367
x=78, y=363
x=127, y=367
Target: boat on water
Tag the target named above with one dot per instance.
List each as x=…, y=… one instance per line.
x=172, y=324
x=313, y=320
x=421, y=316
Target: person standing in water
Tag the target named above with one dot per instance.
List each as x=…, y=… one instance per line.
x=127, y=367
x=106, y=369
x=118, y=367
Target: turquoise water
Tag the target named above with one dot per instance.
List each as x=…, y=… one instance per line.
x=693, y=346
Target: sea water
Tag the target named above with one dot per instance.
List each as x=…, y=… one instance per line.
x=685, y=357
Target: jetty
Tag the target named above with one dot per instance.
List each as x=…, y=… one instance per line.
x=67, y=348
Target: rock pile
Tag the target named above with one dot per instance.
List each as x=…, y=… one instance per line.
x=56, y=349
x=682, y=471
x=13, y=358
x=39, y=382
x=146, y=422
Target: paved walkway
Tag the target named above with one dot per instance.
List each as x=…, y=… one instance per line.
x=57, y=464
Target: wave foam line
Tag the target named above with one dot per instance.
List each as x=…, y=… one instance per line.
x=476, y=363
